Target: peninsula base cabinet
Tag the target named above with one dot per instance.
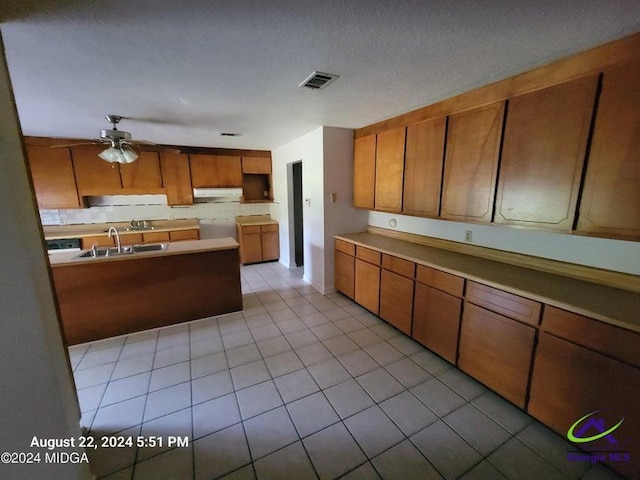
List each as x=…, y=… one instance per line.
x=258, y=243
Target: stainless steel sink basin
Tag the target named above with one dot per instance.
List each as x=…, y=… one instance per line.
x=150, y=248
x=126, y=250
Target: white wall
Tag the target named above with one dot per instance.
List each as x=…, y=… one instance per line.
x=38, y=396
x=616, y=255
x=340, y=216
x=327, y=167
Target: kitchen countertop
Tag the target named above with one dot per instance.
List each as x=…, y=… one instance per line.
x=610, y=305
x=248, y=220
x=55, y=232
x=61, y=259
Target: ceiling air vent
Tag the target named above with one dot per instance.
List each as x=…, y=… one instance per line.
x=318, y=80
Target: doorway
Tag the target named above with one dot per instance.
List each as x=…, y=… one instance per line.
x=298, y=230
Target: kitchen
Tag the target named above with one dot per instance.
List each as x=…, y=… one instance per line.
x=329, y=150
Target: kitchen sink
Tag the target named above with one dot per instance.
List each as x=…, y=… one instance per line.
x=126, y=250
x=149, y=248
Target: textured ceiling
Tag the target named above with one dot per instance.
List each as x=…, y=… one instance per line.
x=185, y=71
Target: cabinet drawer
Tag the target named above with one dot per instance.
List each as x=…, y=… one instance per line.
x=269, y=228
x=368, y=255
x=612, y=341
x=398, y=265
x=193, y=234
x=345, y=247
x=155, y=237
x=444, y=281
x=507, y=304
x=250, y=229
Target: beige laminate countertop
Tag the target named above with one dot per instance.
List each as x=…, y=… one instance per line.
x=55, y=232
x=611, y=305
x=255, y=220
x=61, y=259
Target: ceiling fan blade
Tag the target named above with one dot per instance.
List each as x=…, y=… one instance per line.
x=83, y=144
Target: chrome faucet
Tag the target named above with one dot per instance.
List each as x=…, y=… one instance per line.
x=114, y=230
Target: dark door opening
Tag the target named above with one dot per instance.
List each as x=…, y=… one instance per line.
x=297, y=214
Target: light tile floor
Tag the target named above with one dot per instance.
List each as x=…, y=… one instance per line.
x=302, y=386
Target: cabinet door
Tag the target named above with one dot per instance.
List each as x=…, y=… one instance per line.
x=53, y=179
x=99, y=240
x=364, y=171
x=569, y=382
x=270, y=242
x=396, y=300
x=177, y=179
x=610, y=202
x=545, y=141
x=471, y=163
x=436, y=321
x=367, y=285
x=229, y=171
x=344, y=273
x=389, y=170
x=143, y=175
x=256, y=165
x=250, y=244
x=94, y=176
x=423, y=162
x=131, y=239
x=204, y=171
x=496, y=351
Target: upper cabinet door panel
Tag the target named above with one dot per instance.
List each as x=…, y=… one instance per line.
x=389, y=170
x=610, y=203
x=177, y=178
x=364, y=171
x=545, y=140
x=142, y=174
x=53, y=178
x=256, y=165
x=471, y=162
x=423, y=167
x=229, y=171
x=95, y=176
x=204, y=171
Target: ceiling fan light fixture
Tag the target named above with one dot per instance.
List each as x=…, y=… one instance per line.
x=122, y=154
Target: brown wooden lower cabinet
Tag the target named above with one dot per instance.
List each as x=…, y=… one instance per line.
x=155, y=237
x=436, y=321
x=258, y=243
x=396, y=300
x=270, y=242
x=570, y=381
x=345, y=273
x=367, y=285
x=496, y=351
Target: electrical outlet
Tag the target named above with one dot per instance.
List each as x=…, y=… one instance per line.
x=468, y=236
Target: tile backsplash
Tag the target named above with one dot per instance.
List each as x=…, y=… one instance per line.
x=124, y=213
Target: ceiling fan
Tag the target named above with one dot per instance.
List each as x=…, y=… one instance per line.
x=119, y=143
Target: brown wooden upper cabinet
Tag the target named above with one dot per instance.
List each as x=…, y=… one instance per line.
x=364, y=171
x=610, y=203
x=389, y=170
x=144, y=174
x=256, y=165
x=423, y=162
x=177, y=178
x=53, y=179
x=545, y=141
x=95, y=176
x=471, y=164
x=215, y=171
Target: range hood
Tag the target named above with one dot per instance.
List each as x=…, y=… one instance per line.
x=216, y=192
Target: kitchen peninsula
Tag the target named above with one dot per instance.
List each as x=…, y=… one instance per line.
x=123, y=293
